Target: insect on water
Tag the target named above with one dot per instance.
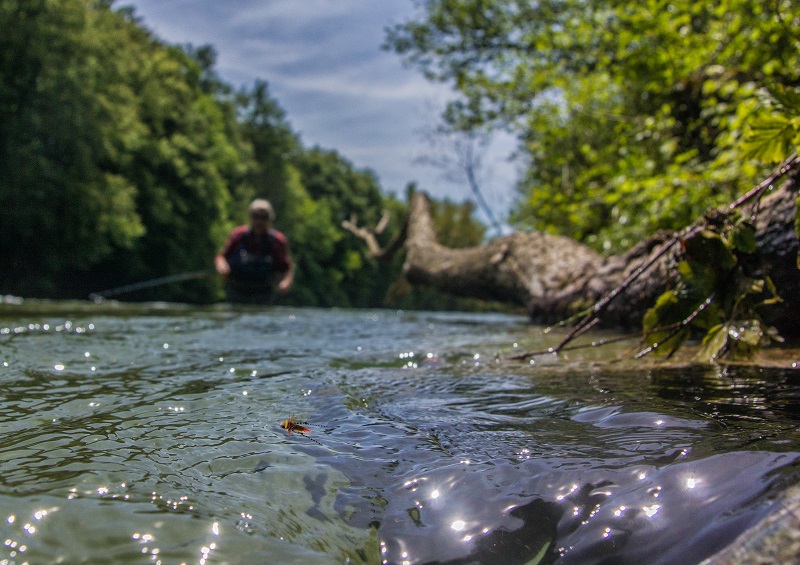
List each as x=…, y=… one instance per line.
x=291, y=426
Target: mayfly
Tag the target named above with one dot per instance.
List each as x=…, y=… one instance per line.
x=291, y=426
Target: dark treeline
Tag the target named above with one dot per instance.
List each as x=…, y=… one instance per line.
x=124, y=158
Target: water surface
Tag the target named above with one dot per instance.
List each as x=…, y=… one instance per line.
x=150, y=434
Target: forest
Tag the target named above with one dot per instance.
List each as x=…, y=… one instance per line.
x=125, y=158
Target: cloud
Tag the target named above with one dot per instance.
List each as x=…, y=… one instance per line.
x=324, y=64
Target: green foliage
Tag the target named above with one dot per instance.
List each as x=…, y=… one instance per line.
x=772, y=138
x=632, y=116
x=313, y=235
x=718, y=294
x=117, y=156
x=775, y=132
x=125, y=159
x=189, y=158
x=263, y=122
x=342, y=275
x=455, y=223
x=63, y=203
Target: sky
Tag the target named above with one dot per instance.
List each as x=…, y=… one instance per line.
x=323, y=62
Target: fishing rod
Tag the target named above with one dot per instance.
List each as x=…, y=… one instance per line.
x=100, y=296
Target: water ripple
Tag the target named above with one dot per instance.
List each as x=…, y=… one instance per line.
x=153, y=437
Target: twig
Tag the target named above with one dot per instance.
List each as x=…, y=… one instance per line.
x=369, y=235
x=584, y=326
x=600, y=306
x=784, y=168
x=688, y=320
x=597, y=343
x=593, y=317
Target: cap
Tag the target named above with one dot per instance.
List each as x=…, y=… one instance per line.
x=261, y=205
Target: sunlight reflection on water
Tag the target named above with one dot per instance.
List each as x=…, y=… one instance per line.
x=154, y=437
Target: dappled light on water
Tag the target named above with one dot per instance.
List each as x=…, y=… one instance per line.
x=157, y=437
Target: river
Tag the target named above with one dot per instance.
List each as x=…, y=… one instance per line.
x=151, y=434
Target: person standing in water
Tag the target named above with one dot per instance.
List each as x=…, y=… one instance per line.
x=255, y=259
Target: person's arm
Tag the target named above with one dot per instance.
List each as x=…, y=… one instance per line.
x=286, y=281
x=283, y=261
x=221, y=265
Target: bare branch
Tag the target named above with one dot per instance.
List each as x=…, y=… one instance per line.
x=383, y=223
x=369, y=235
x=462, y=162
x=471, y=163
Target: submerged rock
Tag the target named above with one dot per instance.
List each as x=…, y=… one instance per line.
x=775, y=539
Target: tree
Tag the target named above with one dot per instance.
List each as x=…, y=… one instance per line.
x=334, y=266
x=65, y=125
x=456, y=228
x=721, y=274
x=190, y=160
x=632, y=116
x=275, y=145
x=119, y=152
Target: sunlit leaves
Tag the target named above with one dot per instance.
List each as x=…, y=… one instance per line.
x=662, y=323
x=116, y=158
x=737, y=340
x=717, y=296
x=632, y=116
x=774, y=132
x=773, y=138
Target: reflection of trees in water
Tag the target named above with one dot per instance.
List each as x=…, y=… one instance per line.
x=746, y=394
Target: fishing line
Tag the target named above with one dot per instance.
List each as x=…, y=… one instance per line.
x=100, y=296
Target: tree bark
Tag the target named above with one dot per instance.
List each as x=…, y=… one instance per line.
x=555, y=277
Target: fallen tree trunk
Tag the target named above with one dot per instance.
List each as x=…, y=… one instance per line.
x=555, y=277
x=542, y=272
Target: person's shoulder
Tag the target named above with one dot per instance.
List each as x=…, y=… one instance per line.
x=278, y=235
x=239, y=231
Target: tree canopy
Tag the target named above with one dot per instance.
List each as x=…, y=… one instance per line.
x=632, y=116
x=114, y=153
x=126, y=158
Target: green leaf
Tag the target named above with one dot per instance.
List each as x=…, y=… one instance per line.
x=659, y=322
x=714, y=344
x=750, y=333
x=770, y=139
x=743, y=237
x=745, y=338
x=787, y=97
x=708, y=248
